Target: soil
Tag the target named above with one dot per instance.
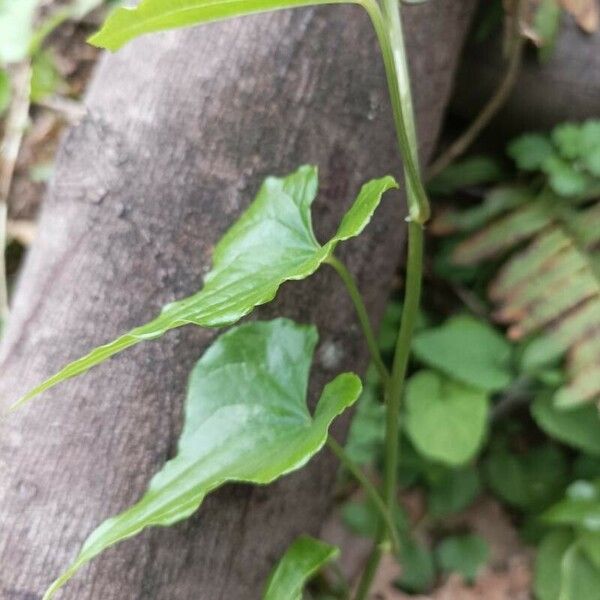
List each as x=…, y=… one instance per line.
x=507, y=576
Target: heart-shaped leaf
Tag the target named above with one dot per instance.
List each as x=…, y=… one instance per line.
x=301, y=561
x=125, y=24
x=452, y=490
x=246, y=420
x=445, y=420
x=468, y=350
x=464, y=554
x=580, y=508
x=530, y=481
x=548, y=564
x=578, y=427
x=272, y=242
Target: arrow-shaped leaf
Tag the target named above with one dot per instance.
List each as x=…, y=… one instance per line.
x=301, y=561
x=246, y=420
x=125, y=24
x=272, y=242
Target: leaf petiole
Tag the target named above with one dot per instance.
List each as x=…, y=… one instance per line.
x=363, y=317
x=369, y=489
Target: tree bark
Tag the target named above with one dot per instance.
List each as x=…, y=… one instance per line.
x=566, y=87
x=180, y=130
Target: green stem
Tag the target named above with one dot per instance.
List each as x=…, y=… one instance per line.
x=368, y=574
x=369, y=489
x=363, y=317
x=412, y=297
x=391, y=39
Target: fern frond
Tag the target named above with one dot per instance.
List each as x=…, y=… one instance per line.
x=549, y=284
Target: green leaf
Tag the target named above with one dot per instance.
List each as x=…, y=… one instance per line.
x=302, y=560
x=586, y=467
x=530, y=481
x=16, y=28
x=361, y=518
x=246, y=420
x=418, y=568
x=454, y=491
x=563, y=177
x=468, y=350
x=548, y=563
x=364, y=519
x=5, y=91
x=367, y=432
x=590, y=146
x=464, y=554
x=272, y=242
x=580, y=142
x=475, y=170
x=45, y=78
x=412, y=467
x=589, y=542
x=580, y=508
x=568, y=139
x=445, y=420
x=579, y=427
x=390, y=323
x=125, y=24
x=579, y=578
x=564, y=569
x=590, y=136
x=530, y=151
x=592, y=162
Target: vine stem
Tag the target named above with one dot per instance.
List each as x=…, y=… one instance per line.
x=391, y=39
x=364, y=585
x=493, y=105
x=363, y=316
x=412, y=298
x=369, y=489
x=388, y=28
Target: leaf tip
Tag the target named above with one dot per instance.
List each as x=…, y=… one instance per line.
x=114, y=34
x=22, y=401
x=102, y=40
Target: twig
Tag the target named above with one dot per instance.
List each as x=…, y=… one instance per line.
x=14, y=126
x=471, y=301
x=519, y=393
x=71, y=111
x=494, y=104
